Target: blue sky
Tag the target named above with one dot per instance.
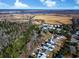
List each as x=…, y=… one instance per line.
x=39, y=4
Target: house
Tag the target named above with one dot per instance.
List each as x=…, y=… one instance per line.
x=75, y=21
x=75, y=37
x=49, y=27
x=49, y=46
x=41, y=55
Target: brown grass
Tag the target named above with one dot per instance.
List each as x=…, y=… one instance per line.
x=54, y=19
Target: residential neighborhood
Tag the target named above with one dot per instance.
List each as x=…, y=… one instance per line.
x=29, y=36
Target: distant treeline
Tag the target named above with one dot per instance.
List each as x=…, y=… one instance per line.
x=37, y=11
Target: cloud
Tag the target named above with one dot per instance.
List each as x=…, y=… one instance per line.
x=76, y=7
x=62, y=0
x=19, y=4
x=77, y=2
x=42, y=0
x=49, y=3
x=16, y=5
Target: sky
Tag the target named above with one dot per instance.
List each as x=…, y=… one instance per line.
x=39, y=4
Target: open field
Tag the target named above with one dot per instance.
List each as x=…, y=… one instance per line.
x=53, y=19
x=38, y=18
